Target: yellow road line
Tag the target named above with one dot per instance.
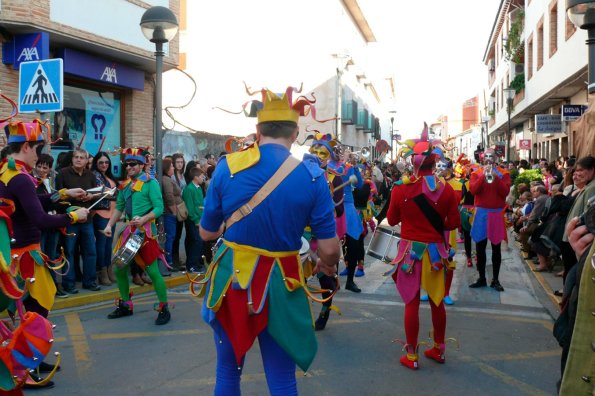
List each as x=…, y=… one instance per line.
x=548, y=324
x=521, y=356
x=138, y=334
x=79, y=345
x=507, y=379
x=146, y=300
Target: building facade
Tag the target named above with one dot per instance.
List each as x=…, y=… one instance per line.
x=108, y=67
x=536, y=50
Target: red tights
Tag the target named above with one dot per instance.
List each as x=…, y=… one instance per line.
x=449, y=276
x=412, y=322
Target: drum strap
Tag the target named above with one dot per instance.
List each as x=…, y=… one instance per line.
x=431, y=214
x=285, y=169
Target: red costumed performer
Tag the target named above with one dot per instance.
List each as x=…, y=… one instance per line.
x=426, y=207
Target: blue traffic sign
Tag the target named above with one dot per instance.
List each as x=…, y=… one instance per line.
x=41, y=86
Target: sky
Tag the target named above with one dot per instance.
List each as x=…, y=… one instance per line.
x=433, y=49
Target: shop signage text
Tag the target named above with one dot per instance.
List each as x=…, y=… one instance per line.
x=26, y=48
x=572, y=112
x=548, y=123
x=100, y=69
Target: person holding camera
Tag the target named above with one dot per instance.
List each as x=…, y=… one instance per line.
x=574, y=328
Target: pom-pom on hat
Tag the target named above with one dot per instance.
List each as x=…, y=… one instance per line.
x=136, y=154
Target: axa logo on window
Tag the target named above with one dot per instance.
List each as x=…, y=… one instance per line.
x=110, y=75
x=28, y=54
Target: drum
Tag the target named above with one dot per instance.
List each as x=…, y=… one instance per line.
x=128, y=250
x=384, y=243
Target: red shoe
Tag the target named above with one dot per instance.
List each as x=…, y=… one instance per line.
x=436, y=354
x=409, y=361
x=469, y=262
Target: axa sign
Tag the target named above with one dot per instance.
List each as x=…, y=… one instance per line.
x=96, y=68
x=26, y=48
x=110, y=75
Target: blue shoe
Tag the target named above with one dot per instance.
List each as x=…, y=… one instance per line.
x=448, y=300
x=344, y=272
x=359, y=273
x=424, y=297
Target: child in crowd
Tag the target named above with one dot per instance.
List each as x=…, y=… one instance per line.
x=194, y=200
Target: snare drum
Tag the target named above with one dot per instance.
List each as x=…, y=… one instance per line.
x=127, y=251
x=384, y=243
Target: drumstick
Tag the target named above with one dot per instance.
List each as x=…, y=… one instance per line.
x=108, y=192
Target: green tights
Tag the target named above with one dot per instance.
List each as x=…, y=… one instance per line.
x=152, y=270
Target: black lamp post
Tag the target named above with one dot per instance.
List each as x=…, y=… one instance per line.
x=582, y=14
x=392, y=139
x=392, y=135
x=509, y=94
x=484, y=128
x=159, y=25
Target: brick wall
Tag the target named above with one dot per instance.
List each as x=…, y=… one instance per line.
x=139, y=116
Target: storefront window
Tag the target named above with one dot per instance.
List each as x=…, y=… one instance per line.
x=90, y=120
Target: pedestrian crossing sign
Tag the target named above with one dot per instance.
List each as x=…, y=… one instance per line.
x=41, y=86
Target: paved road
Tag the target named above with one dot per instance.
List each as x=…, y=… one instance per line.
x=504, y=344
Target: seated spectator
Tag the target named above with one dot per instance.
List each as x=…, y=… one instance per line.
x=548, y=236
x=540, y=196
x=523, y=208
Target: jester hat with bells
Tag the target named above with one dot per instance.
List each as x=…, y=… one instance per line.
x=423, y=152
x=136, y=154
x=325, y=140
x=462, y=166
x=19, y=131
x=272, y=107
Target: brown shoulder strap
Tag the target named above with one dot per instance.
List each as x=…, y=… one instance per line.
x=288, y=165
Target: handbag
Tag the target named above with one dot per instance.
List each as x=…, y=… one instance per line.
x=182, y=211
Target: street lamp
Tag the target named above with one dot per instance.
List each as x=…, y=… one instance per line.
x=159, y=25
x=485, y=120
x=582, y=14
x=392, y=137
x=509, y=94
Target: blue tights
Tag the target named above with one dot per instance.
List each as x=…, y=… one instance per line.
x=279, y=368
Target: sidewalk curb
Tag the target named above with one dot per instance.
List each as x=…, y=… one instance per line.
x=540, y=279
x=74, y=301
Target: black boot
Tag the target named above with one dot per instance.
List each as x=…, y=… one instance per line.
x=352, y=287
x=320, y=323
x=164, y=316
x=123, y=309
x=47, y=368
x=481, y=282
